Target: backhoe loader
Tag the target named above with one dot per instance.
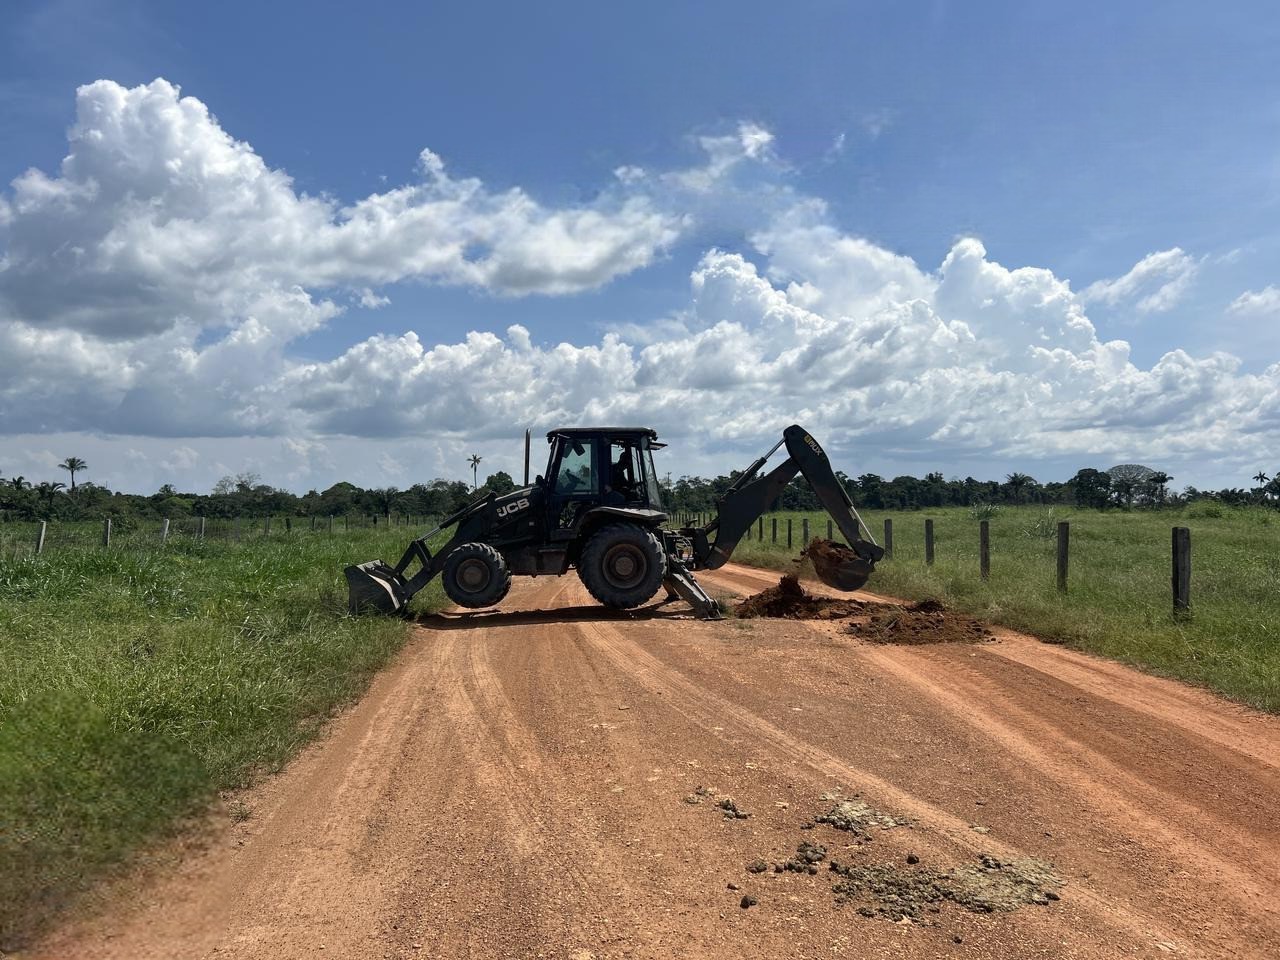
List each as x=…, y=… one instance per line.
x=598, y=510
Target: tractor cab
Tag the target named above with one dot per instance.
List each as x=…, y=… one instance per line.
x=592, y=467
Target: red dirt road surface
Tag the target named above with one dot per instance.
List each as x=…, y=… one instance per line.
x=525, y=783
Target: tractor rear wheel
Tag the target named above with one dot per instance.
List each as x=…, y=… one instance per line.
x=622, y=565
x=475, y=575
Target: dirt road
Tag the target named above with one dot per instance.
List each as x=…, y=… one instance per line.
x=519, y=784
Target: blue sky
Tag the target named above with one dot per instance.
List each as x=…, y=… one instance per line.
x=1079, y=139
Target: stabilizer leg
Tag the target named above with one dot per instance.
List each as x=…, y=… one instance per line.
x=680, y=582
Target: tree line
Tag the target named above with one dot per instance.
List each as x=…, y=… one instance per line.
x=1126, y=486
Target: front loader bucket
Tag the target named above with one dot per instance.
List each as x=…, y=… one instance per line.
x=376, y=586
x=844, y=568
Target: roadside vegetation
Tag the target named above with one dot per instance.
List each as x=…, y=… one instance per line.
x=138, y=683
x=1118, y=602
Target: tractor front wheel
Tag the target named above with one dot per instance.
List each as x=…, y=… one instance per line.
x=475, y=575
x=622, y=565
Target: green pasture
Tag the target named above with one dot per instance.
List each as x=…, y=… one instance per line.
x=139, y=681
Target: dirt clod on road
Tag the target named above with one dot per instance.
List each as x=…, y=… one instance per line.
x=989, y=886
x=805, y=860
x=790, y=601
x=927, y=621
x=858, y=818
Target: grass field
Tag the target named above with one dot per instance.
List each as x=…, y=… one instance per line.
x=137, y=683
x=1119, y=600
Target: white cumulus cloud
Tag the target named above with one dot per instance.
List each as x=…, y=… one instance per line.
x=1258, y=303
x=1156, y=283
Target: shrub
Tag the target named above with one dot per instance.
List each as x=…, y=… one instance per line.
x=1204, y=510
x=1043, y=527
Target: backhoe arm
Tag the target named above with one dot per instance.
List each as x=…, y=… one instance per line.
x=751, y=495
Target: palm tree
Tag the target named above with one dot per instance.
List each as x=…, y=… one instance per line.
x=475, y=467
x=19, y=483
x=46, y=490
x=1017, y=482
x=1159, y=480
x=72, y=465
x=1262, y=478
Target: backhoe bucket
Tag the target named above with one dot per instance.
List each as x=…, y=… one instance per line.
x=376, y=586
x=845, y=568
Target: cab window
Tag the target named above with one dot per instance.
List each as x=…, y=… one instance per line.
x=577, y=473
x=623, y=472
x=651, y=479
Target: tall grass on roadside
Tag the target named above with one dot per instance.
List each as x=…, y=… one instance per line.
x=1118, y=601
x=137, y=683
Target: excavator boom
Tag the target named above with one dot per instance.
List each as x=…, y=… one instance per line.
x=752, y=494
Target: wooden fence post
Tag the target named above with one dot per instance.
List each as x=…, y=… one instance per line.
x=164, y=530
x=106, y=532
x=773, y=523
x=44, y=525
x=266, y=527
x=288, y=524
x=331, y=524
x=201, y=533
x=888, y=539
x=313, y=523
x=1181, y=569
x=1064, y=547
x=761, y=535
x=788, y=533
x=984, y=549
x=829, y=537
x=804, y=531
x=928, y=541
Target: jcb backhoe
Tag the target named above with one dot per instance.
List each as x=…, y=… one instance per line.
x=599, y=510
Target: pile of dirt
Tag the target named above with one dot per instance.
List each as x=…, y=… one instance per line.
x=858, y=818
x=726, y=805
x=731, y=811
x=699, y=794
x=806, y=859
x=896, y=892
x=790, y=601
x=925, y=622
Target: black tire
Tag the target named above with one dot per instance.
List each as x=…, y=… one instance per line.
x=475, y=575
x=622, y=565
